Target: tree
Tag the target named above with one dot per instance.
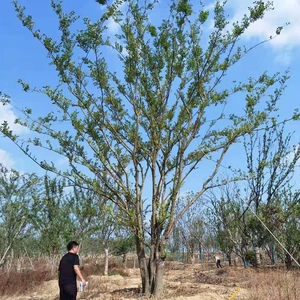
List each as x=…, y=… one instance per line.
x=107, y=225
x=137, y=134
x=52, y=216
x=230, y=218
x=16, y=199
x=271, y=162
x=87, y=211
x=175, y=243
x=245, y=216
x=191, y=228
x=123, y=244
x=290, y=236
x=94, y=217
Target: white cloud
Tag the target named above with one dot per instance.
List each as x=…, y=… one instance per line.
x=62, y=161
x=7, y=114
x=6, y=159
x=291, y=156
x=285, y=11
x=112, y=26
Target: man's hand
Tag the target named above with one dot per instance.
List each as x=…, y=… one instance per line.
x=78, y=273
x=83, y=283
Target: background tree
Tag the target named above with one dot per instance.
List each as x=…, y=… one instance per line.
x=123, y=244
x=230, y=221
x=292, y=234
x=108, y=224
x=16, y=199
x=175, y=244
x=251, y=216
x=271, y=161
x=191, y=228
x=163, y=114
x=52, y=216
x=87, y=211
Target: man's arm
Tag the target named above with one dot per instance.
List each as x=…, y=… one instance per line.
x=78, y=273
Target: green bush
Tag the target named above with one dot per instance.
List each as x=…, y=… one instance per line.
x=251, y=258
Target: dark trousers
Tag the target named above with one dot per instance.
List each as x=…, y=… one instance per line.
x=219, y=263
x=68, y=291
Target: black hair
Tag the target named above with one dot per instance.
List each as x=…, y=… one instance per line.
x=71, y=245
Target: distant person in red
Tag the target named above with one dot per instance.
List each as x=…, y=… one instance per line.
x=68, y=272
x=218, y=261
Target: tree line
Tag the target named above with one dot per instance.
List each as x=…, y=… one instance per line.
x=41, y=214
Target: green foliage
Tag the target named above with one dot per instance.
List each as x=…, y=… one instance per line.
x=266, y=207
x=101, y=1
x=52, y=217
x=16, y=192
x=88, y=210
x=189, y=230
x=122, y=246
x=251, y=258
x=4, y=99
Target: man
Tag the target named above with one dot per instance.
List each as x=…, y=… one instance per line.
x=218, y=261
x=68, y=271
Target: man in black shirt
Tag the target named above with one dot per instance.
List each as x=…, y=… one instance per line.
x=68, y=271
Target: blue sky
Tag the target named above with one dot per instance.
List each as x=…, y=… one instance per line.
x=22, y=57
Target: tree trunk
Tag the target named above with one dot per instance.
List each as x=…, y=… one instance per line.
x=158, y=279
x=257, y=257
x=190, y=257
x=273, y=254
x=105, y=272
x=124, y=259
x=288, y=261
x=143, y=265
x=244, y=262
x=200, y=253
x=152, y=270
x=228, y=254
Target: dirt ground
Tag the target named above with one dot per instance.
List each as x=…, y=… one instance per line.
x=181, y=282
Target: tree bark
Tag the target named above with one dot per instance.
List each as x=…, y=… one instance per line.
x=288, y=261
x=143, y=265
x=257, y=256
x=124, y=260
x=228, y=254
x=244, y=262
x=151, y=270
x=105, y=272
x=158, y=282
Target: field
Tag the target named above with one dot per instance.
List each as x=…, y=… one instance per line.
x=201, y=281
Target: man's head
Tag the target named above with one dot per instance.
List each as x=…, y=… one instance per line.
x=73, y=247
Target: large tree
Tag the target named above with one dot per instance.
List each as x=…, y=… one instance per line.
x=141, y=110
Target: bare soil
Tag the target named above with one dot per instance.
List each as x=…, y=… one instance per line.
x=181, y=282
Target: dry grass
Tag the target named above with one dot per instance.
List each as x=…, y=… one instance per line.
x=253, y=284
x=18, y=283
x=21, y=282
x=274, y=285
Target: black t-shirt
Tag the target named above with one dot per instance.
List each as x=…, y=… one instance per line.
x=67, y=274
